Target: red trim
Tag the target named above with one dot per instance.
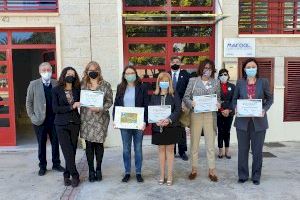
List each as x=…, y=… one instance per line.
x=30, y=9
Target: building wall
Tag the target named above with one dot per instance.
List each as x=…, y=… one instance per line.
x=268, y=46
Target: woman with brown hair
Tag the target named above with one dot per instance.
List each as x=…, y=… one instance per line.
x=132, y=93
x=204, y=84
x=94, y=121
x=165, y=133
x=65, y=104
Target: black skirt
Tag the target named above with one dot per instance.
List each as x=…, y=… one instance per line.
x=170, y=135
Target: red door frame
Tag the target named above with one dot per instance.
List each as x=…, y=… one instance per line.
x=8, y=134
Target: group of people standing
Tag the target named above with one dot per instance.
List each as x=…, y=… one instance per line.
x=53, y=108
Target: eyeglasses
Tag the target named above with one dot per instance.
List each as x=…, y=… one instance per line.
x=223, y=74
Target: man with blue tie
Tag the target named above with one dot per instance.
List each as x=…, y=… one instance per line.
x=39, y=110
x=180, y=80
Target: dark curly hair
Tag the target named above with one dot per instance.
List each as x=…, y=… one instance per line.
x=62, y=77
x=244, y=66
x=203, y=64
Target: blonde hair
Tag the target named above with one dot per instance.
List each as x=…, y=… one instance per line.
x=159, y=78
x=86, y=80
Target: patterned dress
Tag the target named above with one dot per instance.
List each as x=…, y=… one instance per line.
x=94, y=125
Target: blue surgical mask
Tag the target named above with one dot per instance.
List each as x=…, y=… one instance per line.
x=251, y=72
x=130, y=78
x=164, y=85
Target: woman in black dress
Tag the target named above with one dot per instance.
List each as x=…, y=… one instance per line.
x=165, y=133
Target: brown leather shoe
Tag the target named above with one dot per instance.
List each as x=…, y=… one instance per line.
x=213, y=178
x=192, y=175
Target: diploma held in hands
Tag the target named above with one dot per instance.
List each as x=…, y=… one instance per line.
x=156, y=113
x=205, y=103
x=249, y=108
x=129, y=117
x=91, y=98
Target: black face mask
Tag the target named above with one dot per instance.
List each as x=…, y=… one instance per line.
x=175, y=67
x=93, y=75
x=70, y=79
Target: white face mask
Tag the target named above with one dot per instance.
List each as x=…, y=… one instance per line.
x=223, y=79
x=46, y=76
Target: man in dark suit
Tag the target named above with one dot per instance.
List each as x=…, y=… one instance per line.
x=39, y=110
x=180, y=80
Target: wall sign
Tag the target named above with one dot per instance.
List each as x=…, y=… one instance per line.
x=239, y=47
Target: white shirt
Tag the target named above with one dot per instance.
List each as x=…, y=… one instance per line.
x=46, y=82
x=176, y=74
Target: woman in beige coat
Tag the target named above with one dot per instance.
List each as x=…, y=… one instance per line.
x=94, y=121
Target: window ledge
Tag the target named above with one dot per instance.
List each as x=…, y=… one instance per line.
x=30, y=14
x=269, y=35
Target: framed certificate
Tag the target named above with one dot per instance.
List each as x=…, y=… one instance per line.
x=205, y=103
x=156, y=113
x=249, y=108
x=91, y=98
x=129, y=117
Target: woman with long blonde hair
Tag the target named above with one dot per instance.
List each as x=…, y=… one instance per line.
x=94, y=121
x=165, y=133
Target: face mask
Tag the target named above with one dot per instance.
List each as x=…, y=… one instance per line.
x=175, y=67
x=251, y=72
x=46, y=76
x=207, y=72
x=70, y=79
x=93, y=75
x=223, y=79
x=130, y=78
x=164, y=85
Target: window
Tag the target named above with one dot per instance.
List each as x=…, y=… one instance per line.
x=265, y=70
x=292, y=90
x=269, y=17
x=29, y=6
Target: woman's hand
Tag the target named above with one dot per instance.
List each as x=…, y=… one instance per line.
x=114, y=125
x=94, y=109
x=160, y=122
x=225, y=113
x=166, y=122
x=263, y=113
x=218, y=105
x=76, y=105
x=143, y=127
x=194, y=104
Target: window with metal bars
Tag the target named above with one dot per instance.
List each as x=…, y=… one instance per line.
x=29, y=6
x=269, y=16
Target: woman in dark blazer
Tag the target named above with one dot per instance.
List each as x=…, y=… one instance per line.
x=251, y=130
x=132, y=93
x=65, y=103
x=165, y=133
x=225, y=113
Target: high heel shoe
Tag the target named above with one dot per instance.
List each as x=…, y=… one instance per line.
x=161, y=182
x=169, y=183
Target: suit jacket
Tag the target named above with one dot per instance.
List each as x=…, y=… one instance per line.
x=175, y=103
x=226, y=100
x=141, y=99
x=64, y=113
x=36, y=101
x=262, y=92
x=182, y=82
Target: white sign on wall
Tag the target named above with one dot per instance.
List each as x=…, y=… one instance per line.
x=239, y=47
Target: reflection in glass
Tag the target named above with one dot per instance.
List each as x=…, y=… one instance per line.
x=3, y=83
x=191, y=60
x=146, y=31
x=147, y=48
x=190, y=47
x=150, y=61
x=3, y=38
x=4, y=122
x=33, y=38
x=191, y=31
x=3, y=69
x=2, y=56
x=4, y=109
x=145, y=2
x=191, y=2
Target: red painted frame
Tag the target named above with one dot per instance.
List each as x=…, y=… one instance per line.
x=18, y=9
x=8, y=134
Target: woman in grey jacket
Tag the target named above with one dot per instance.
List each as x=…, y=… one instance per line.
x=204, y=84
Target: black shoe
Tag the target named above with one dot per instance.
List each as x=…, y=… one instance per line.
x=58, y=168
x=126, y=178
x=184, y=157
x=256, y=182
x=75, y=181
x=242, y=180
x=227, y=156
x=139, y=178
x=92, y=177
x=67, y=181
x=42, y=172
x=220, y=156
x=98, y=175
